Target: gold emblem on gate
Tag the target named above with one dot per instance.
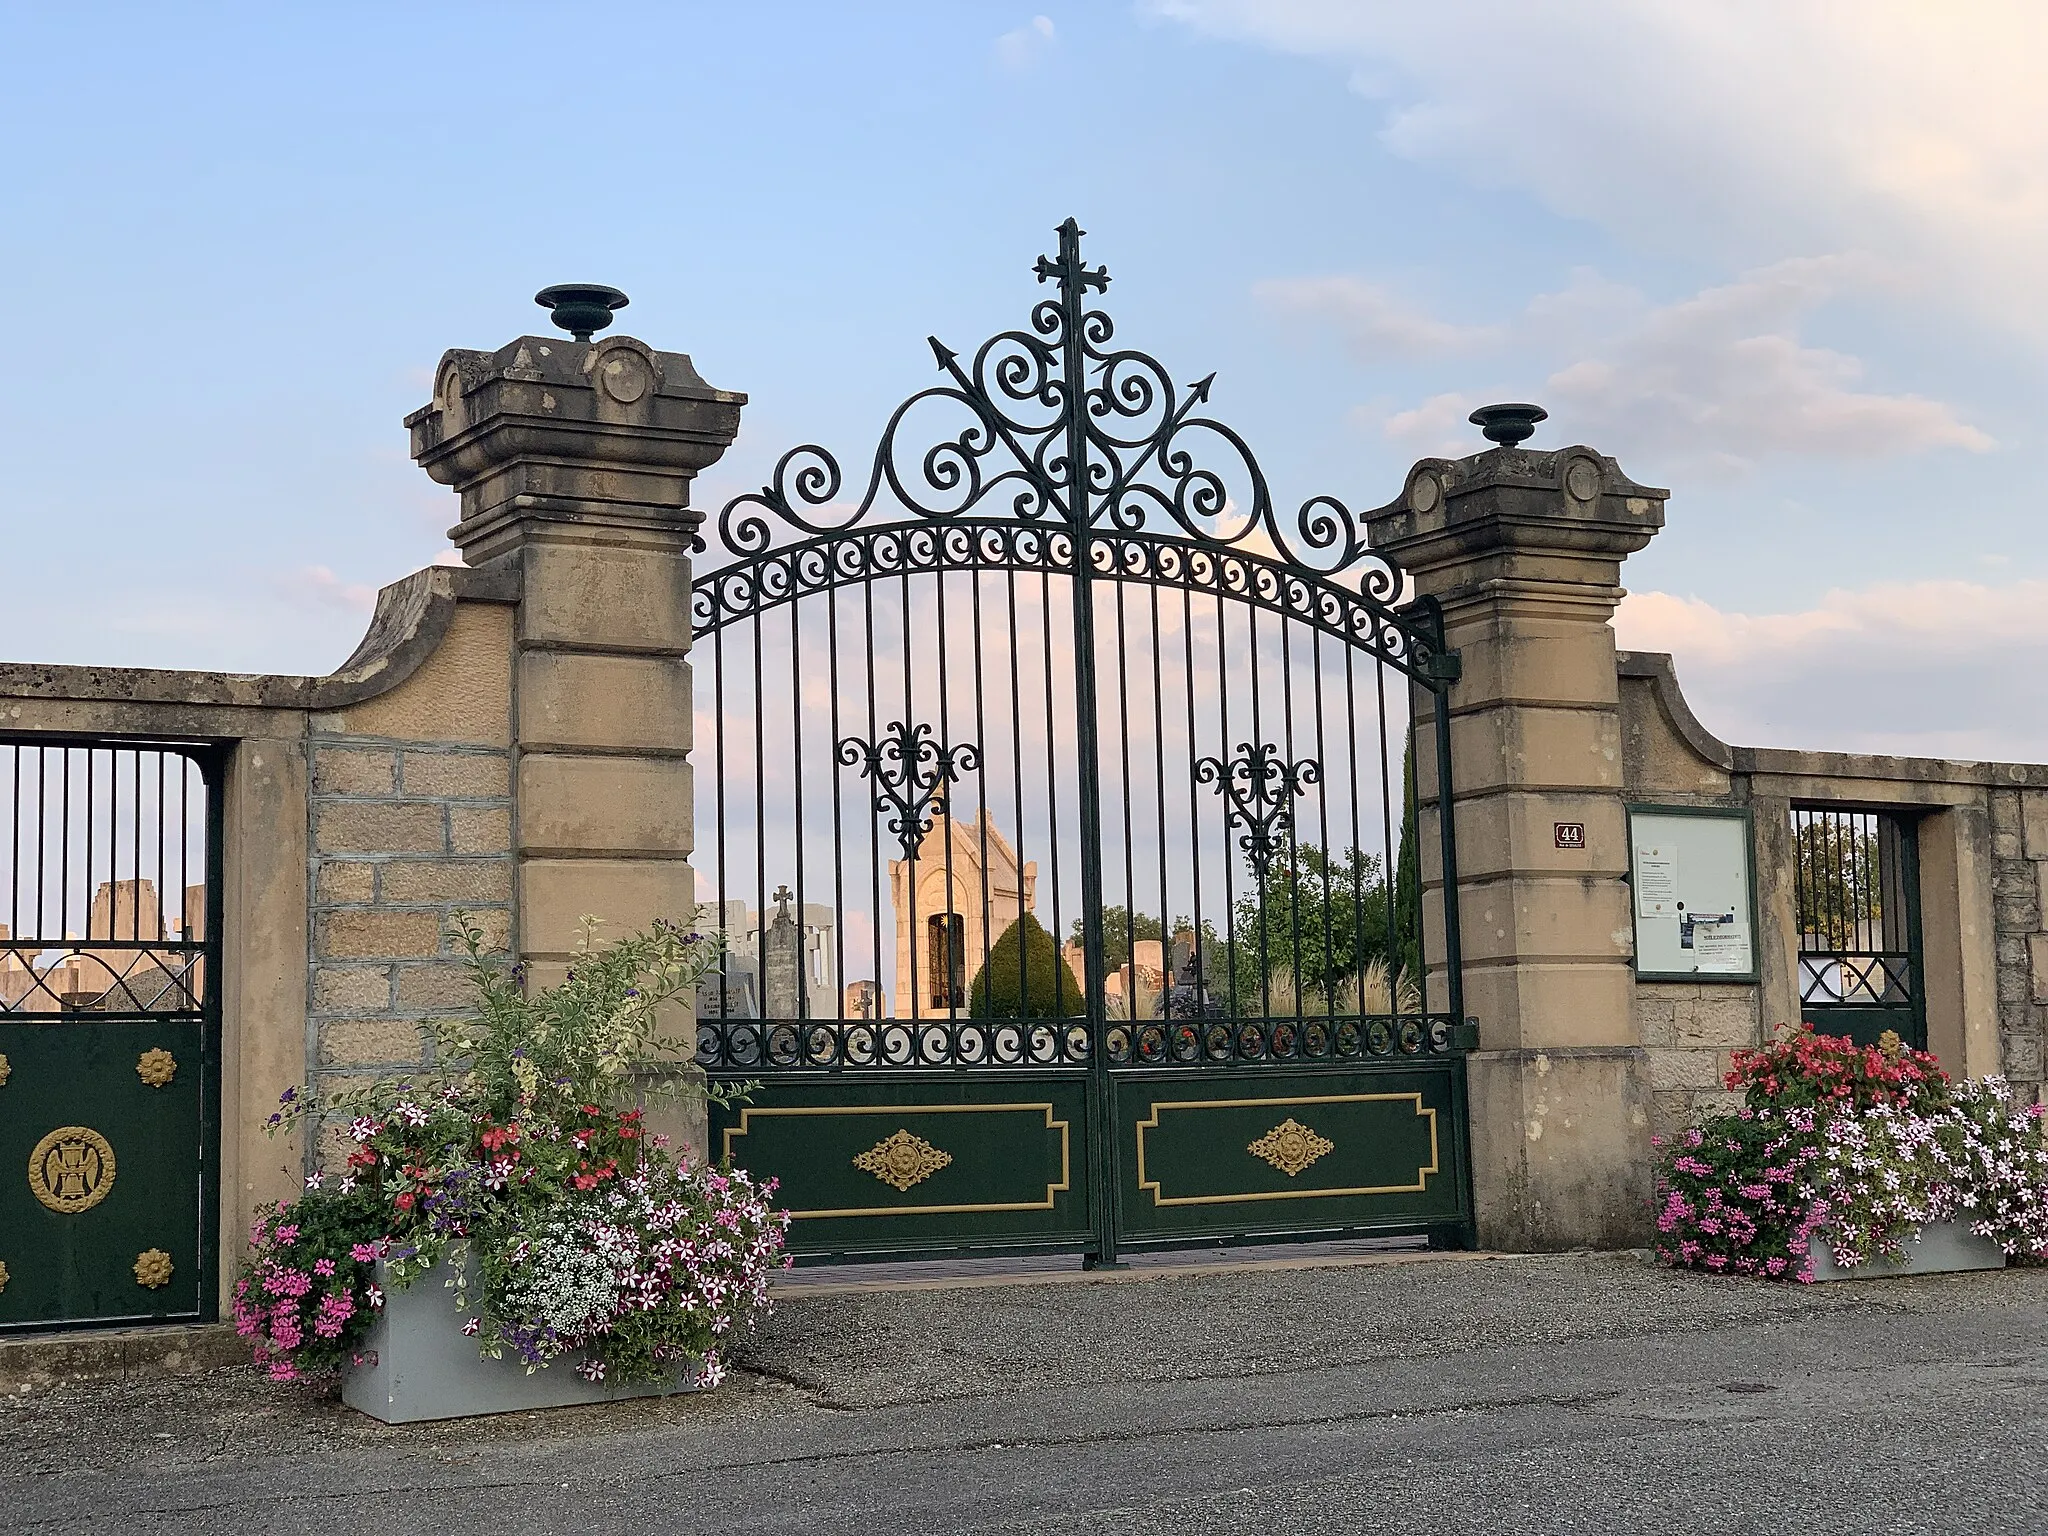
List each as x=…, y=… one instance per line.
x=1291, y=1146
x=71, y=1169
x=902, y=1160
x=6, y=1071
x=153, y=1269
x=4, y=1276
x=156, y=1067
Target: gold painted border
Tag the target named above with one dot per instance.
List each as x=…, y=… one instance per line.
x=1152, y=1186
x=1051, y=1190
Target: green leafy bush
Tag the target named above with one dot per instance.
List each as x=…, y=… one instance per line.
x=1025, y=978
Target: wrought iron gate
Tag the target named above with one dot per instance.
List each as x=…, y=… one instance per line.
x=1856, y=887
x=109, y=1031
x=1052, y=800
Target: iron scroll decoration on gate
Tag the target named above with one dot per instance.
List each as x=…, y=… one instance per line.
x=1068, y=459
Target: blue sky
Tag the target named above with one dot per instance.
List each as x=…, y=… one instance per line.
x=1780, y=258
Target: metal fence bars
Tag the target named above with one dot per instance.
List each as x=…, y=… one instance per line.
x=1856, y=882
x=109, y=1031
x=1053, y=805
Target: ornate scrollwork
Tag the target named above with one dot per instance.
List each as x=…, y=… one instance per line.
x=902, y=1160
x=1260, y=787
x=911, y=772
x=748, y=1045
x=1053, y=425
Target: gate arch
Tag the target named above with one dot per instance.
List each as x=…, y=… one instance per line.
x=1051, y=802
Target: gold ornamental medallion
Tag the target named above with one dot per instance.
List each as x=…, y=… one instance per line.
x=6, y=1070
x=1291, y=1146
x=71, y=1169
x=4, y=1276
x=153, y=1269
x=902, y=1160
x=156, y=1067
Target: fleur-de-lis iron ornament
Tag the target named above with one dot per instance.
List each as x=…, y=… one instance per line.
x=1260, y=787
x=911, y=771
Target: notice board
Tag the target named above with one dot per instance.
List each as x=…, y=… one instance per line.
x=1693, y=888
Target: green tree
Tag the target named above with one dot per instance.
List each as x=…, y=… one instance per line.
x=1840, y=905
x=1120, y=928
x=1315, y=924
x=1025, y=978
x=1408, y=877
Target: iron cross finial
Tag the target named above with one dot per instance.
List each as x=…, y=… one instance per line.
x=1069, y=270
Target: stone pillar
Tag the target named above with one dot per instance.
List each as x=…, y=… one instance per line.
x=574, y=460
x=1524, y=551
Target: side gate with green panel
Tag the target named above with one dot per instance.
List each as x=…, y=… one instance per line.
x=109, y=1033
x=1053, y=786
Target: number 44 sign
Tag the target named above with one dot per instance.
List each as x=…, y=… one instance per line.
x=1571, y=834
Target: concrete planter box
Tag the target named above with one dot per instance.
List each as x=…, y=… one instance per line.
x=1944, y=1248
x=421, y=1366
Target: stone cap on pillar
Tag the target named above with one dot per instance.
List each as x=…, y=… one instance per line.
x=1566, y=513
x=546, y=429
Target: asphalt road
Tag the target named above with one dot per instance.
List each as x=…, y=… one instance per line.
x=1578, y=1393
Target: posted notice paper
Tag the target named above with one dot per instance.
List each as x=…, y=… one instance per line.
x=1657, y=882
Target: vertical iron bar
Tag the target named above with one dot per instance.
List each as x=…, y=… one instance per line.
x=1017, y=788
x=796, y=781
x=838, y=821
x=724, y=863
x=1159, y=826
x=867, y=591
x=1187, y=610
x=1123, y=699
x=1447, y=838
x=1074, y=407
x=944, y=823
x=981, y=796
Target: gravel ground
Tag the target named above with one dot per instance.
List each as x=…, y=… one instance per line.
x=1532, y=1395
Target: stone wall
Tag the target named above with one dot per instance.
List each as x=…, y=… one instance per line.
x=410, y=822
x=1983, y=841
x=1692, y=1033
x=2019, y=845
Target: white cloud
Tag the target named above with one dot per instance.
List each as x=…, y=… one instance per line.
x=318, y=584
x=1746, y=128
x=1932, y=668
x=1024, y=47
x=1719, y=380
x=1372, y=322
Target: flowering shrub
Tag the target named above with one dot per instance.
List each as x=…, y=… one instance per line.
x=528, y=1165
x=309, y=1291
x=1736, y=1195
x=1857, y=1146
x=1800, y=1069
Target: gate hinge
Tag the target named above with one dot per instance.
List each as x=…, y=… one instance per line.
x=1465, y=1036
x=1443, y=667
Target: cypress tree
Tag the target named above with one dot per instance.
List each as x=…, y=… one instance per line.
x=1040, y=987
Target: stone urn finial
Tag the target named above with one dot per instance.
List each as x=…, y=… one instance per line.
x=1508, y=425
x=581, y=309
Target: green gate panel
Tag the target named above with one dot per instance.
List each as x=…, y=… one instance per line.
x=876, y=1163
x=1289, y=1153
x=1865, y=1026
x=99, y=1167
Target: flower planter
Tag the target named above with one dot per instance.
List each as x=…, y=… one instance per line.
x=418, y=1364
x=1944, y=1248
